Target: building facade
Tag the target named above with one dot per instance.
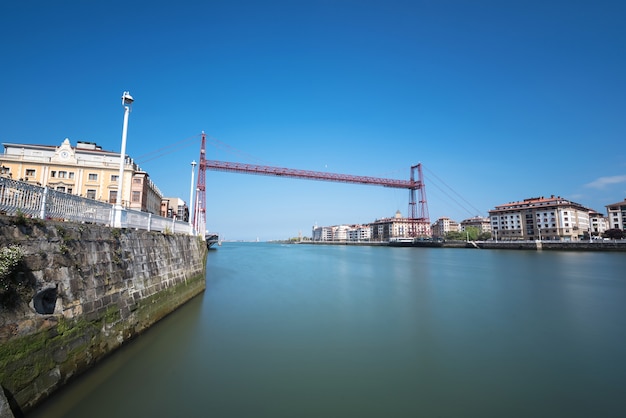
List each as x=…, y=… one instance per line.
x=85, y=170
x=540, y=218
x=386, y=229
x=617, y=215
x=342, y=233
x=398, y=227
x=598, y=223
x=482, y=224
x=174, y=207
x=444, y=225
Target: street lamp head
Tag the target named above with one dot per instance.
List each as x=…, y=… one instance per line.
x=193, y=163
x=127, y=99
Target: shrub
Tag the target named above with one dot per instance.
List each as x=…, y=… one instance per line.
x=10, y=258
x=11, y=282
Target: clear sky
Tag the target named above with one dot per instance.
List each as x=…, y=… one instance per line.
x=499, y=100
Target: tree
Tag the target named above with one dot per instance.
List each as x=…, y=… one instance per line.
x=614, y=233
x=455, y=236
x=484, y=236
x=471, y=233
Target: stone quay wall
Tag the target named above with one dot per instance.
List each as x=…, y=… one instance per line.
x=79, y=292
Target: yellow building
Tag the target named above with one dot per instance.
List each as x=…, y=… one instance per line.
x=85, y=170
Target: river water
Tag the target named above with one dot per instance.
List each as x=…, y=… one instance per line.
x=346, y=331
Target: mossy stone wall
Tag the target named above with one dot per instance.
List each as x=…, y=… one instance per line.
x=80, y=292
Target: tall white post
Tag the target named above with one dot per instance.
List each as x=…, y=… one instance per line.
x=191, y=211
x=127, y=101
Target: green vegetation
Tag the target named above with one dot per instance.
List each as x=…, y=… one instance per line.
x=11, y=283
x=63, y=249
x=614, y=233
x=117, y=256
x=10, y=258
x=22, y=219
x=471, y=233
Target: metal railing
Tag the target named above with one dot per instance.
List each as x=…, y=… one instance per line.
x=18, y=197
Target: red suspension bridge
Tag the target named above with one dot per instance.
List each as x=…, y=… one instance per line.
x=419, y=222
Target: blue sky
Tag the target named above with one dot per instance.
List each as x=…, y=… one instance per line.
x=499, y=100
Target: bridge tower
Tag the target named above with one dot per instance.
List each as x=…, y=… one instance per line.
x=418, y=210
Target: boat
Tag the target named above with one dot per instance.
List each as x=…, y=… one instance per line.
x=212, y=239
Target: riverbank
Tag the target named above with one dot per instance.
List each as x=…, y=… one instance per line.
x=490, y=245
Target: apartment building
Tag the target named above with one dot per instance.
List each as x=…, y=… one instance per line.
x=84, y=170
x=552, y=218
x=617, y=215
x=479, y=222
x=385, y=229
x=342, y=233
x=360, y=233
x=598, y=223
x=398, y=227
x=444, y=225
x=174, y=207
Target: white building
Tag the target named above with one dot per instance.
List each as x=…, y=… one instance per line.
x=385, y=229
x=552, y=218
x=617, y=215
x=342, y=233
x=598, y=223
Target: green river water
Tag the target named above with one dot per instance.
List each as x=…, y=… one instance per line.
x=346, y=331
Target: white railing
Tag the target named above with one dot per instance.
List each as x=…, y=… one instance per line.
x=18, y=197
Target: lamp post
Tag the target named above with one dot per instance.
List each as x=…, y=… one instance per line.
x=127, y=101
x=197, y=213
x=191, y=211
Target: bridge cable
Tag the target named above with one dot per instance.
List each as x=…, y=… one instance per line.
x=454, y=191
x=161, y=152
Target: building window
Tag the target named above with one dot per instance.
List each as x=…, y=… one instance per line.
x=61, y=189
x=30, y=172
x=115, y=177
x=93, y=177
x=91, y=193
x=62, y=174
x=70, y=174
x=70, y=190
x=137, y=181
x=136, y=197
x=113, y=196
x=53, y=174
